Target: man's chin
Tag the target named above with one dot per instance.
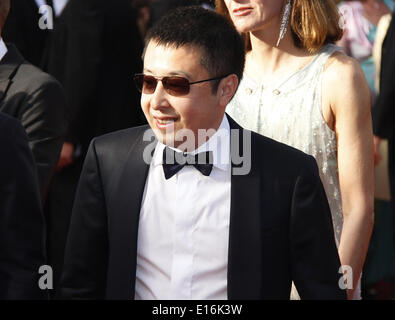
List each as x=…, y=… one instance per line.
x=184, y=138
x=165, y=137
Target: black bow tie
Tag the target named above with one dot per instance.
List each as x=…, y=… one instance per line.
x=174, y=161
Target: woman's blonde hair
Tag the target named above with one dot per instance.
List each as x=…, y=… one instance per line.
x=313, y=23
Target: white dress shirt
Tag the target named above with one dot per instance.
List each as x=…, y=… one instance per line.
x=3, y=49
x=58, y=5
x=183, y=232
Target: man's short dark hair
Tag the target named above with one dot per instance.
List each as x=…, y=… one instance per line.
x=222, y=46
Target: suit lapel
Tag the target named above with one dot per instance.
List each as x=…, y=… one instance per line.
x=125, y=214
x=244, y=258
x=8, y=67
x=4, y=83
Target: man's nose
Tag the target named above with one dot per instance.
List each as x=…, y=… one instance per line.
x=159, y=97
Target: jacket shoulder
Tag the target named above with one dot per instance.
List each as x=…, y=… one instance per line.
x=288, y=159
x=119, y=140
x=274, y=154
x=32, y=78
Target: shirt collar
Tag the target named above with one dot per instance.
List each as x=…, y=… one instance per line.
x=219, y=144
x=58, y=5
x=3, y=49
x=40, y=3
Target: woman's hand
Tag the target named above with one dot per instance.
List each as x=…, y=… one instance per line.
x=66, y=156
x=377, y=155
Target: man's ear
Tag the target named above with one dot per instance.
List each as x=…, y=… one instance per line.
x=227, y=89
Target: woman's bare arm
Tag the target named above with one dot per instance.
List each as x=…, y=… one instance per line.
x=346, y=95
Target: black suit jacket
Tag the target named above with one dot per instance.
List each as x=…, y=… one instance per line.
x=280, y=224
x=21, y=219
x=384, y=109
x=38, y=102
x=95, y=51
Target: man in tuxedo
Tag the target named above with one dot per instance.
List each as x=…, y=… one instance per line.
x=193, y=206
x=37, y=100
x=383, y=111
x=21, y=219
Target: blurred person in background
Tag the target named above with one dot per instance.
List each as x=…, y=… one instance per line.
x=150, y=11
x=143, y=12
x=95, y=50
x=384, y=128
x=21, y=220
x=365, y=23
x=23, y=27
x=360, y=20
x=37, y=100
x=160, y=7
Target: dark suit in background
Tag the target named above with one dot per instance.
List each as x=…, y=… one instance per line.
x=37, y=101
x=384, y=110
x=22, y=29
x=95, y=51
x=21, y=220
x=280, y=224
x=159, y=8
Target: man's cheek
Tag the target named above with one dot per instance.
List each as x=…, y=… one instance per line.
x=145, y=108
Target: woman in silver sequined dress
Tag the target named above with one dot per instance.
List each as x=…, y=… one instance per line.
x=299, y=89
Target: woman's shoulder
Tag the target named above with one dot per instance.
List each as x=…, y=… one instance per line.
x=344, y=82
x=340, y=66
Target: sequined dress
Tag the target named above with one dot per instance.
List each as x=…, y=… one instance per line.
x=290, y=111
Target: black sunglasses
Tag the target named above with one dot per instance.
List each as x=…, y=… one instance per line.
x=174, y=85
